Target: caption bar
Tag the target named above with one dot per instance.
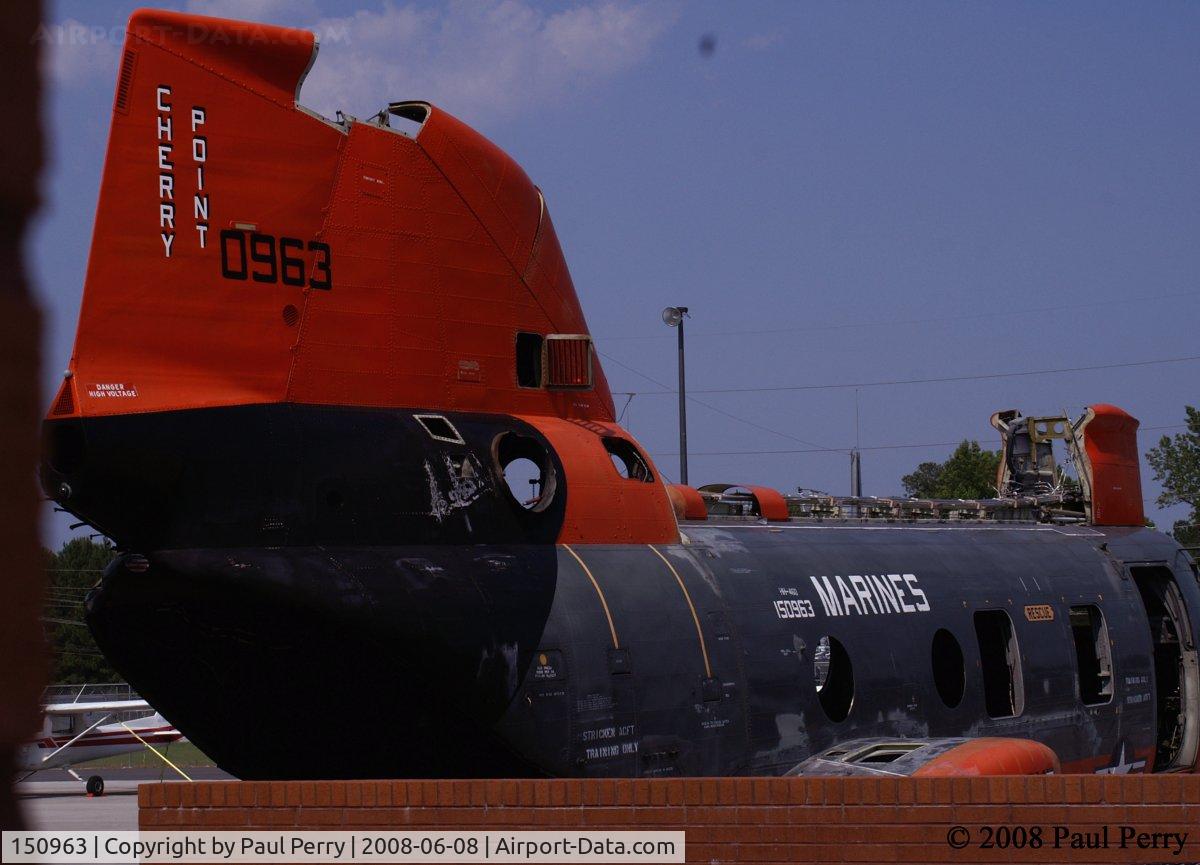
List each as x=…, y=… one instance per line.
x=185, y=847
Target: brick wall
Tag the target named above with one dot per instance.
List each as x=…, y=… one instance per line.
x=727, y=820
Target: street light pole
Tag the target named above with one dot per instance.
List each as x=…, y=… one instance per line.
x=673, y=316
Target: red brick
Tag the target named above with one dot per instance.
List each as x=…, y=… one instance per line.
x=983, y=814
x=872, y=814
x=929, y=813
x=832, y=790
x=383, y=793
x=1045, y=813
x=224, y=817
x=170, y=817
x=1150, y=814
x=996, y=789
x=575, y=791
x=659, y=816
x=324, y=793
x=624, y=792
x=477, y=793
x=658, y=793
x=380, y=818
x=1052, y=787
x=613, y=817
x=280, y=816
x=321, y=817
x=367, y=791
x=675, y=792
x=641, y=791
x=812, y=814
x=760, y=791
x=761, y=819
x=1171, y=787
x=494, y=793
x=1072, y=789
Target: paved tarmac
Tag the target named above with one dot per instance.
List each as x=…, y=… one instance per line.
x=49, y=802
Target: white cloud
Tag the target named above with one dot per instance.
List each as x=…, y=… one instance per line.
x=477, y=59
x=74, y=53
x=282, y=12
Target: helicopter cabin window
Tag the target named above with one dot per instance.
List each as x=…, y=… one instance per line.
x=1000, y=662
x=1093, y=655
x=529, y=359
x=627, y=460
x=949, y=671
x=834, y=678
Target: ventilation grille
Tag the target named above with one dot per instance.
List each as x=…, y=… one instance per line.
x=64, y=403
x=568, y=361
x=125, y=81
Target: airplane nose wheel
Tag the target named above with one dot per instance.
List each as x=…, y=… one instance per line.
x=95, y=786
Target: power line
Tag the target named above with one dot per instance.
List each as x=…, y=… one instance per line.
x=1021, y=311
x=936, y=380
x=866, y=448
x=719, y=411
x=816, y=448
x=808, y=450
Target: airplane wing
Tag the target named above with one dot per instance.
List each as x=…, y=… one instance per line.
x=98, y=706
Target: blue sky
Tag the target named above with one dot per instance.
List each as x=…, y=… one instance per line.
x=840, y=192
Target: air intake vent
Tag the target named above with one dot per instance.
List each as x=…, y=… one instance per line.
x=125, y=81
x=64, y=403
x=568, y=360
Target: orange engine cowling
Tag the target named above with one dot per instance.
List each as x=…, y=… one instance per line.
x=932, y=758
x=992, y=756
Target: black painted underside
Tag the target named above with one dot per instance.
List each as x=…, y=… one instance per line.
x=297, y=602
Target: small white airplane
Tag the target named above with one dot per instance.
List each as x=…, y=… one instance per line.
x=76, y=732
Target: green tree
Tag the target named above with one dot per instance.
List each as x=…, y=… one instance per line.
x=70, y=573
x=969, y=473
x=1176, y=463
